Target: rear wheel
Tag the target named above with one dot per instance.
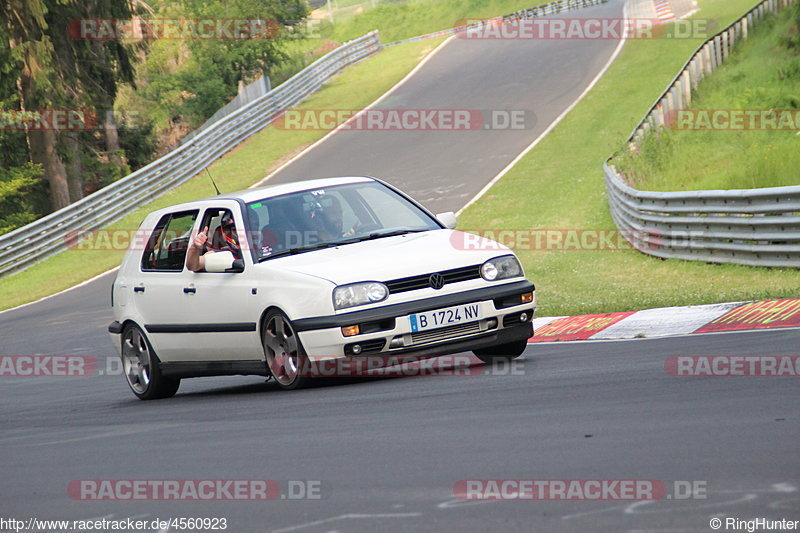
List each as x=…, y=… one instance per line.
x=502, y=352
x=283, y=352
x=140, y=364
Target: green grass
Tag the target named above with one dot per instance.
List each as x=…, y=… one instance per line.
x=761, y=74
x=396, y=21
x=559, y=185
x=244, y=165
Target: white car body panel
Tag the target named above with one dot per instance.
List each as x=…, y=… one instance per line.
x=300, y=285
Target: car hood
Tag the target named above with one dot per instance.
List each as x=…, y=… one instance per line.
x=390, y=258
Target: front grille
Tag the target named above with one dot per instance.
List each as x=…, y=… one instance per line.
x=422, y=281
x=443, y=334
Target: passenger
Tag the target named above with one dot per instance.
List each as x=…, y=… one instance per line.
x=224, y=240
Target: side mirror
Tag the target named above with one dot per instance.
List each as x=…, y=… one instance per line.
x=222, y=262
x=448, y=219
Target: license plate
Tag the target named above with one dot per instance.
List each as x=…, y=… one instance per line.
x=444, y=317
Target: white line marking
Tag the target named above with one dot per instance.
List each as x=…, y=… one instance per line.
x=43, y=298
x=346, y=517
x=552, y=124
x=354, y=117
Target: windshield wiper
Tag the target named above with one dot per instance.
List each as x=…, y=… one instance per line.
x=297, y=250
x=377, y=235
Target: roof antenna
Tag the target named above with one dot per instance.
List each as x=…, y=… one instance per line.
x=212, y=182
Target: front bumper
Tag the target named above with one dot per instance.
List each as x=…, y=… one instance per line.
x=503, y=319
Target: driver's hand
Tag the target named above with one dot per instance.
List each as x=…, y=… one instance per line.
x=201, y=238
x=352, y=231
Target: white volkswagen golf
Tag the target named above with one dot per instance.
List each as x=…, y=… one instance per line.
x=265, y=281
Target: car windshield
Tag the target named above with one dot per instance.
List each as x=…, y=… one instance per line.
x=330, y=216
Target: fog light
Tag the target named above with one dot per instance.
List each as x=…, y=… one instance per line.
x=527, y=297
x=523, y=317
x=396, y=342
x=349, y=331
x=356, y=349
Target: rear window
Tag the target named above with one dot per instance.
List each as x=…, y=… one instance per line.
x=167, y=245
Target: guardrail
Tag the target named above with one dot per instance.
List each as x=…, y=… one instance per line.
x=759, y=227
x=54, y=232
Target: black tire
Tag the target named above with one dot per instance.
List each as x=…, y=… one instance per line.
x=502, y=352
x=284, y=354
x=141, y=367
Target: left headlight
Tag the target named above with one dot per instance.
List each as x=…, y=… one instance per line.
x=503, y=267
x=368, y=292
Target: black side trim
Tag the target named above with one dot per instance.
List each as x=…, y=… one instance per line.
x=193, y=369
x=115, y=327
x=228, y=327
x=417, y=306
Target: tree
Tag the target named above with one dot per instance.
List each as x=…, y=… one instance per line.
x=32, y=50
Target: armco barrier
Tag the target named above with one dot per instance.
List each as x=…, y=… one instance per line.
x=758, y=227
x=51, y=234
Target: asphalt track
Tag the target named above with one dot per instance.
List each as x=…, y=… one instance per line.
x=388, y=452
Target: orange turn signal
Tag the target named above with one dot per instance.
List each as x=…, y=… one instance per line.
x=527, y=297
x=349, y=331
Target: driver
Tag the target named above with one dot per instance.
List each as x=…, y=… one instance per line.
x=327, y=218
x=224, y=240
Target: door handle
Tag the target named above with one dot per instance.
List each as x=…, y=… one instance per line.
x=189, y=290
x=140, y=288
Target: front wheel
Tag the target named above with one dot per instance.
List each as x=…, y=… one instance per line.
x=283, y=352
x=502, y=352
x=141, y=367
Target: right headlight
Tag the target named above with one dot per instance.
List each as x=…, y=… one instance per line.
x=503, y=267
x=368, y=292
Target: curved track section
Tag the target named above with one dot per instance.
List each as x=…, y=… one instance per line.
x=388, y=452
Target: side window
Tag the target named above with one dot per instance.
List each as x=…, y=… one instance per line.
x=222, y=232
x=166, y=248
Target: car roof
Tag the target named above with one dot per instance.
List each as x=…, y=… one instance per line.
x=251, y=195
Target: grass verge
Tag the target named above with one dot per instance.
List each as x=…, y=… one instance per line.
x=559, y=186
x=763, y=73
x=241, y=167
x=394, y=21
x=403, y=21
